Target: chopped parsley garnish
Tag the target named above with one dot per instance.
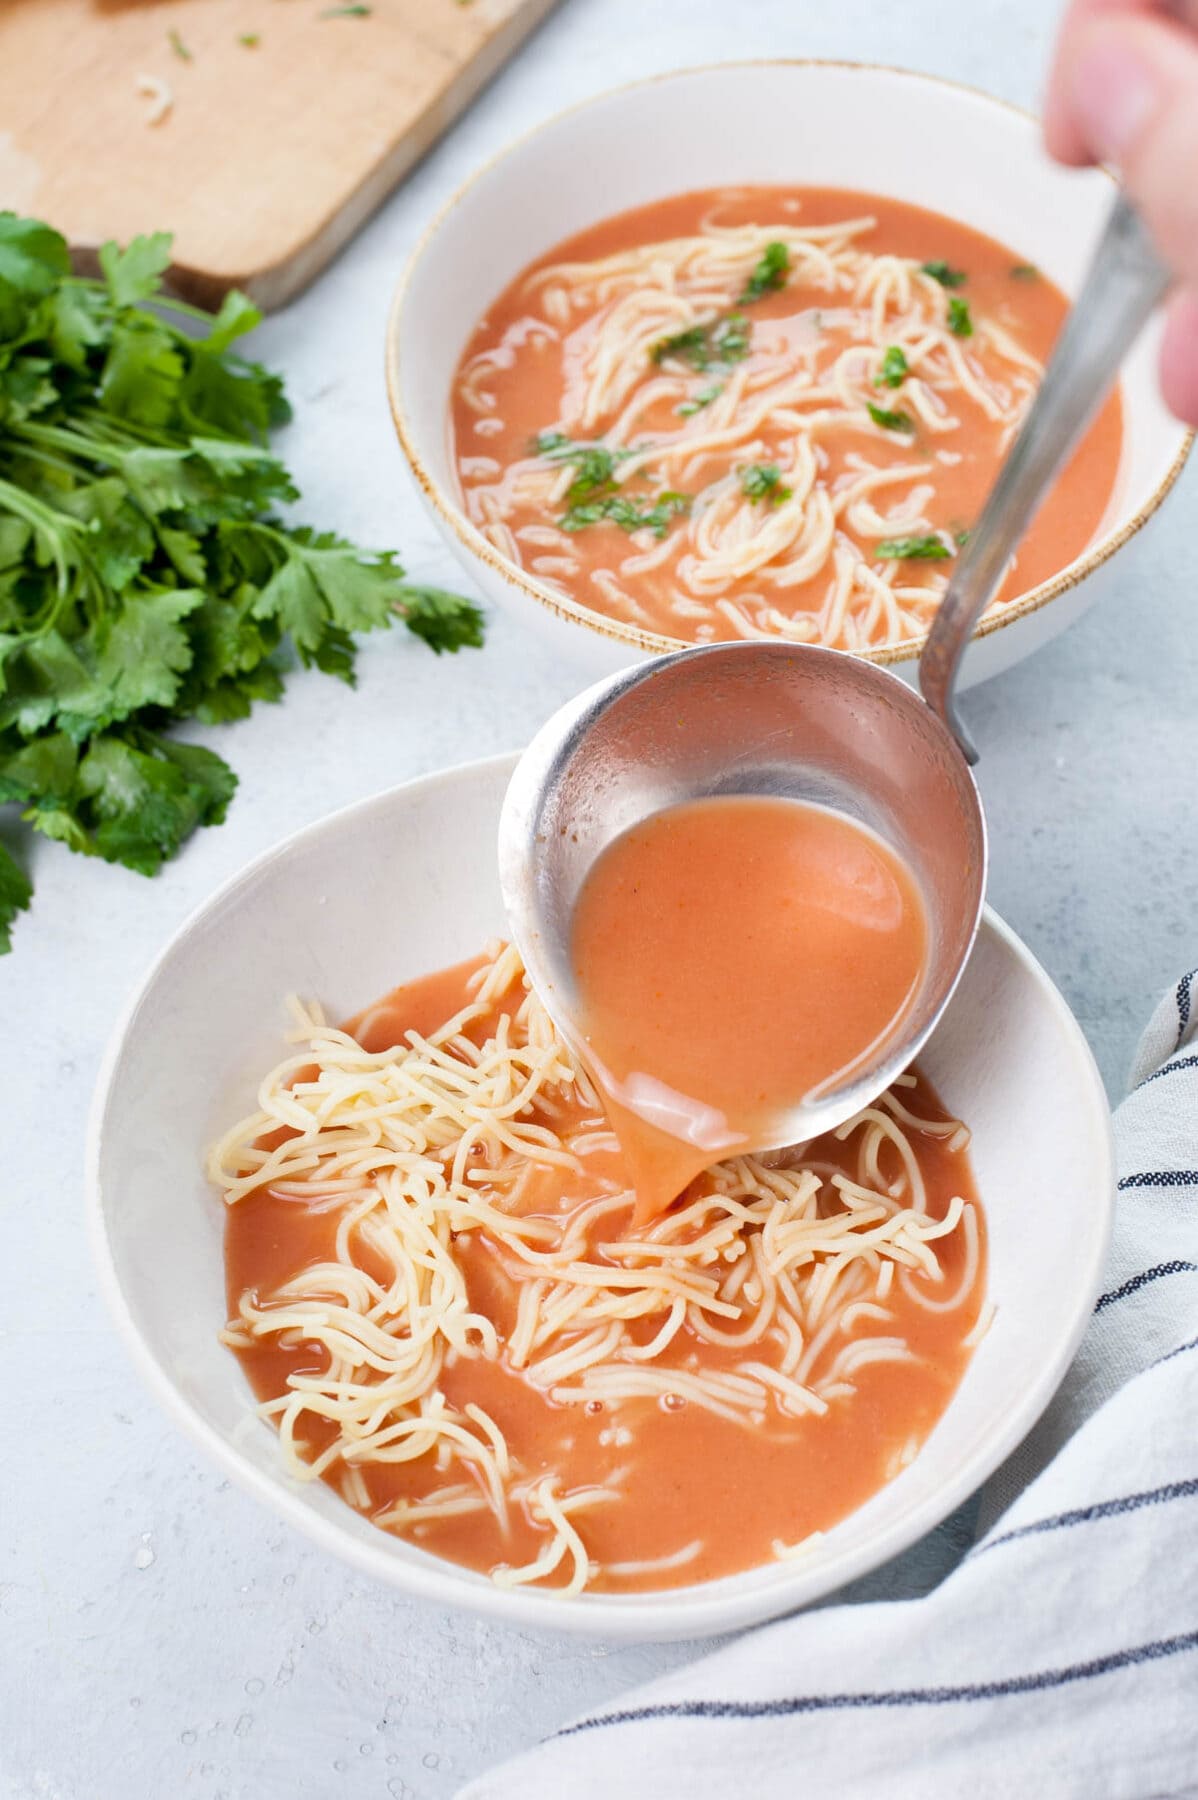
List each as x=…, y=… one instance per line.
x=594, y=464
x=893, y=369
x=347, y=12
x=594, y=469
x=889, y=421
x=763, y=481
x=959, y=321
x=178, y=46
x=687, y=346
x=730, y=338
x=912, y=549
x=629, y=512
x=723, y=340
x=948, y=278
x=963, y=536
x=250, y=39
x=690, y=407
x=592, y=497
x=1025, y=272
x=769, y=275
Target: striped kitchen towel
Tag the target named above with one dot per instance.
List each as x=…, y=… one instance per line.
x=1060, y=1657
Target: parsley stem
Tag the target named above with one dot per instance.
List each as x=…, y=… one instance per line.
x=48, y=459
x=129, y=435
x=75, y=443
x=47, y=522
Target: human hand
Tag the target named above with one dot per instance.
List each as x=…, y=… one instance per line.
x=1124, y=90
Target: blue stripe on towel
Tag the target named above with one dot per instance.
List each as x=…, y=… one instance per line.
x=1135, y=1282
x=1157, y=1651
x=1160, y=1178
x=1169, y=1068
x=1101, y=1509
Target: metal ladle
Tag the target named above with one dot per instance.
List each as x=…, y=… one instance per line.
x=805, y=723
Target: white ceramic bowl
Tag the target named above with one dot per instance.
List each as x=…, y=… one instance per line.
x=405, y=883
x=835, y=124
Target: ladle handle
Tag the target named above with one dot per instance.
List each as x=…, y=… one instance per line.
x=1124, y=282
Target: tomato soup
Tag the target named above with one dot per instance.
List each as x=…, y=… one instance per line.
x=733, y=957
x=765, y=411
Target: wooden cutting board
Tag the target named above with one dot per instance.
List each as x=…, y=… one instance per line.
x=261, y=132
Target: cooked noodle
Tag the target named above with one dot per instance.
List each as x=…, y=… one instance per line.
x=476, y=1134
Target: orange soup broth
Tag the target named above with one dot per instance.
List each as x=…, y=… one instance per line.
x=747, y=953
x=685, y=1475
x=532, y=375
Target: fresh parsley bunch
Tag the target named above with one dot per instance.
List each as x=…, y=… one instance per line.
x=144, y=575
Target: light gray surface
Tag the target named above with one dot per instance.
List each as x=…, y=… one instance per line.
x=160, y=1635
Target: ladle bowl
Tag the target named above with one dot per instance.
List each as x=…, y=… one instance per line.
x=782, y=720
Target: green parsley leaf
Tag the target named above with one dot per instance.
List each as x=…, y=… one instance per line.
x=594, y=464
x=249, y=39
x=729, y=339
x=46, y=767
x=688, y=408
x=346, y=12
x=445, y=621
x=893, y=369
x=959, y=321
x=357, y=592
x=769, y=274
x=146, y=650
x=593, y=470
x=293, y=598
x=915, y=549
x=593, y=496
x=33, y=258
x=691, y=345
x=211, y=780
x=629, y=512
x=948, y=278
x=237, y=315
x=135, y=273
x=723, y=340
x=178, y=46
x=763, y=481
x=142, y=375
x=16, y=891
x=889, y=421
x=1025, y=272
x=73, y=318
x=137, y=803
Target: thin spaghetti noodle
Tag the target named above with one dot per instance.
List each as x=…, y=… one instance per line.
x=468, y=1237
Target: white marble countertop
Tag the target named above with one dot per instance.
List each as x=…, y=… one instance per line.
x=162, y=1635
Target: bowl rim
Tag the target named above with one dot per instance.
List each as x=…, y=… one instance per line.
x=680, y=1613
x=634, y=637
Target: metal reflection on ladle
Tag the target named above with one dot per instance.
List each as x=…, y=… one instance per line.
x=784, y=720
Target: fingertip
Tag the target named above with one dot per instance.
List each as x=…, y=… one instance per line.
x=1179, y=358
x=1062, y=139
